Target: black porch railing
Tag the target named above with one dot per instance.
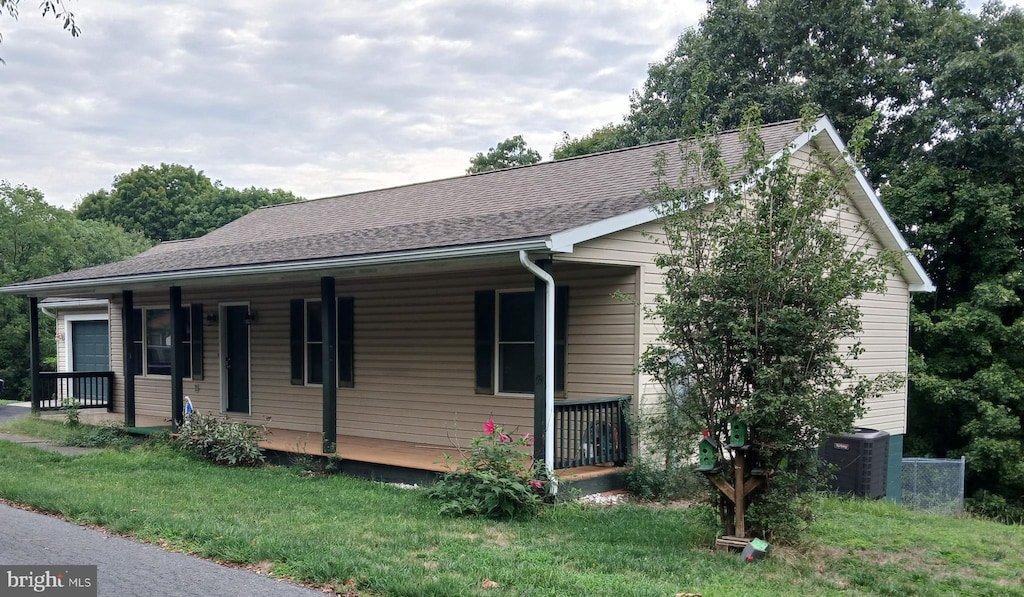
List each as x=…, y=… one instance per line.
x=590, y=432
x=92, y=389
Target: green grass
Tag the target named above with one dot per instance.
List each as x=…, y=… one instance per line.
x=57, y=432
x=389, y=541
x=6, y=402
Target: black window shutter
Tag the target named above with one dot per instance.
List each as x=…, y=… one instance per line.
x=484, y=341
x=197, y=341
x=346, y=344
x=138, y=348
x=561, y=333
x=297, y=322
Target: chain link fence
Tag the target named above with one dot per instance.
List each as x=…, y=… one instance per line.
x=935, y=485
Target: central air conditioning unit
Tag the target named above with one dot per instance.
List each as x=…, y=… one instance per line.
x=861, y=460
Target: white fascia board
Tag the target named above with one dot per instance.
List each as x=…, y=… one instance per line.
x=277, y=268
x=563, y=242
x=913, y=271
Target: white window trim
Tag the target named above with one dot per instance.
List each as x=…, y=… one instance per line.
x=187, y=307
x=498, y=343
x=69, y=364
x=305, y=344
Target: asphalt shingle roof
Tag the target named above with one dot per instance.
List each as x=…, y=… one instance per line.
x=513, y=204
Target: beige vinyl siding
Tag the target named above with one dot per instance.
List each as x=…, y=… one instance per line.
x=636, y=247
x=61, y=341
x=414, y=353
x=885, y=316
x=116, y=350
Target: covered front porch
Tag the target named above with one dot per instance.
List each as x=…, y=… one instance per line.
x=389, y=368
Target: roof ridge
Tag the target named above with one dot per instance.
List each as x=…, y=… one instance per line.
x=521, y=167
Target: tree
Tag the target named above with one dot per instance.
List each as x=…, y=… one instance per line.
x=509, y=153
x=213, y=210
x=40, y=240
x=173, y=202
x=609, y=136
x=148, y=200
x=961, y=200
x=758, y=291
x=947, y=156
x=54, y=7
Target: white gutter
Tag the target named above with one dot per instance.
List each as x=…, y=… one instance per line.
x=549, y=366
x=286, y=267
x=52, y=316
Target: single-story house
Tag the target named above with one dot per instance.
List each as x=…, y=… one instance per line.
x=405, y=317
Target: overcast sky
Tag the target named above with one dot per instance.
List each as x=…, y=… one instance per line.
x=315, y=98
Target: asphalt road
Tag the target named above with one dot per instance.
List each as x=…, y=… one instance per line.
x=10, y=412
x=126, y=568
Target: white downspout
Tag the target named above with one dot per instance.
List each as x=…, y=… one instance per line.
x=549, y=365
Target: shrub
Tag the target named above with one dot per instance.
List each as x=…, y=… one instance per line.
x=497, y=478
x=70, y=406
x=649, y=480
x=221, y=441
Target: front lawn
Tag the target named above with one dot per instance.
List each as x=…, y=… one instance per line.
x=390, y=541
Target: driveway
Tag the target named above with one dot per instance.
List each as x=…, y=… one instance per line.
x=12, y=411
x=125, y=567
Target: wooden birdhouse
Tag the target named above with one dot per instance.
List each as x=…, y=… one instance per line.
x=738, y=436
x=707, y=454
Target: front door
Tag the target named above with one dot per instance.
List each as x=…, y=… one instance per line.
x=90, y=351
x=235, y=367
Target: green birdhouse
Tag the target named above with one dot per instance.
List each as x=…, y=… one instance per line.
x=707, y=454
x=737, y=432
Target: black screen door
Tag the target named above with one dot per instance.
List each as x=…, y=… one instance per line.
x=236, y=359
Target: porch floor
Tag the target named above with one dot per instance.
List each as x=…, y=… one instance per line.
x=385, y=452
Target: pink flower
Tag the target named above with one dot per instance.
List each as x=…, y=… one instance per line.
x=504, y=438
x=536, y=484
x=528, y=439
x=489, y=426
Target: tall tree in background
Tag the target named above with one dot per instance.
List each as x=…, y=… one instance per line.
x=510, y=152
x=38, y=240
x=212, y=210
x=948, y=156
x=173, y=202
x=148, y=200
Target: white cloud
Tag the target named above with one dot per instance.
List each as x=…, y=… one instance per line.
x=336, y=98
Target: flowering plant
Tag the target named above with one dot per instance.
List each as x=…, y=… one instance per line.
x=497, y=477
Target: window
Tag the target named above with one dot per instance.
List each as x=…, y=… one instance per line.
x=505, y=341
x=151, y=341
x=307, y=342
x=515, y=342
x=314, y=344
